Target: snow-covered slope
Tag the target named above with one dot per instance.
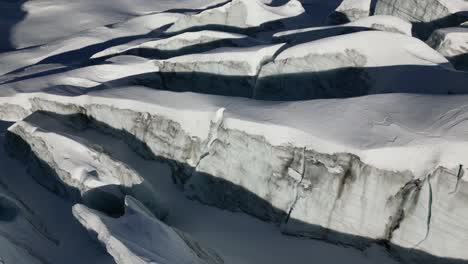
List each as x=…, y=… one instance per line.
x=140, y=238
x=147, y=122
x=174, y=45
x=357, y=64
x=38, y=22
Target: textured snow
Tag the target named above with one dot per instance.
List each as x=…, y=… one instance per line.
x=136, y=28
x=173, y=43
x=352, y=10
x=240, y=13
x=450, y=41
x=386, y=131
x=379, y=22
x=138, y=237
x=52, y=18
x=364, y=142
x=374, y=45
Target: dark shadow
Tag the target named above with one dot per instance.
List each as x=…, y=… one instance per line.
x=38, y=74
x=225, y=194
x=11, y=13
x=197, y=10
x=98, y=199
x=319, y=10
x=81, y=57
x=77, y=56
x=291, y=40
x=423, y=30
x=373, y=7
x=460, y=62
x=338, y=83
x=4, y=125
x=8, y=210
x=150, y=53
x=308, y=36
x=338, y=18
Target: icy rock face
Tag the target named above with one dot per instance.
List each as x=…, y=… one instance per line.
x=239, y=14
x=427, y=15
x=349, y=11
x=83, y=172
x=224, y=71
x=12, y=111
x=453, y=44
x=336, y=197
x=436, y=204
x=336, y=186
x=138, y=237
x=329, y=68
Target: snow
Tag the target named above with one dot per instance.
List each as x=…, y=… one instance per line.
x=386, y=131
x=249, y=59
x=353, y=9
x=374, y=45
x=48, y=212
x=240, y=13
x=359, y=4
x=453, y=42
x=172, y=43
x=232, y=240
x=52, y=17
x=387, y=23
x=339, y=165
x=455, y=5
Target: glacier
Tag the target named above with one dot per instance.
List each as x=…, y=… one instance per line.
x=262, y=131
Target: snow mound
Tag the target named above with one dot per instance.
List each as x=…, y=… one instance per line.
x=80, y=47
x=83, y=171
x=350, y=10
x=239, y=14
x=60, y=19
x=453, y=44
x=138, y=237
x=357, y=64
x=223, y=71
x=177, y=43
x=382, y=23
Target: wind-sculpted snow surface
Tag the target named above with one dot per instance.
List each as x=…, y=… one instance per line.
x=211, y=115
x=138, y=237
x=240, y=14
x=166, y=47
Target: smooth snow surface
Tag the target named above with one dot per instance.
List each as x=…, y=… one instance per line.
x=42, y=22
